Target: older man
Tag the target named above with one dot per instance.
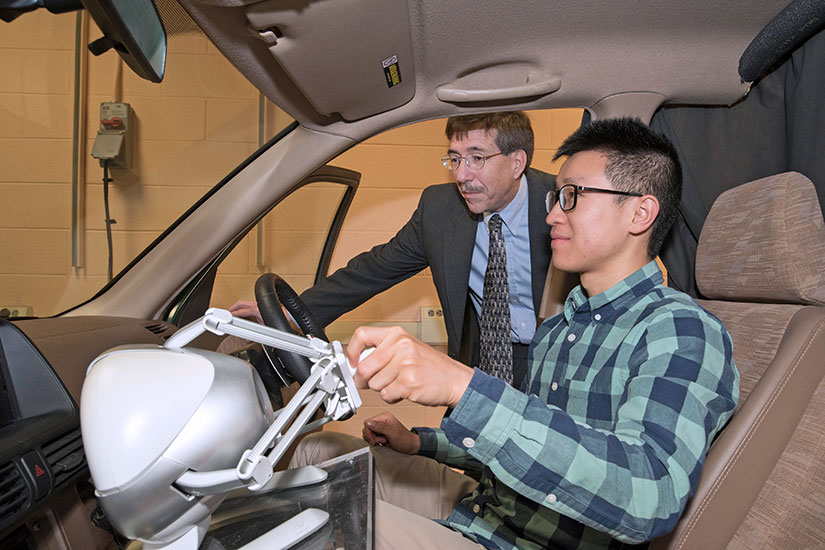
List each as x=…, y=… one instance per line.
x=449, y=232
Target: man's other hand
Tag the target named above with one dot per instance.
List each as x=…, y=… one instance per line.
x=246, y=309
x=403, y=367
x=385, y=429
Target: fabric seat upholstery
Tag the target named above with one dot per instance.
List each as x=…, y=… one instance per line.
x=761, y=264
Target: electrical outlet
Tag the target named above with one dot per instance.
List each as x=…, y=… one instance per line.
x=115, y=138
x=433, y=330
x=7, y=312
x=431, y=312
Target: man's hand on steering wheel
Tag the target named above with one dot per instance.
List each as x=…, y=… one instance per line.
x=248, y=309
x=274, y=296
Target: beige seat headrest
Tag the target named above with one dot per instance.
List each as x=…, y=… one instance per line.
x=764, y=241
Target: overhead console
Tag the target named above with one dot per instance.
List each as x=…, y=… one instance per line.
x=40, y=445
x=372, y=70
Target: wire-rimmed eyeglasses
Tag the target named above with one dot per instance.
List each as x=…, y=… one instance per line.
x=474, y=161
x=566, y=196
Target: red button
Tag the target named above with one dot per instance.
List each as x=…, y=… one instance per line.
x=111, y=123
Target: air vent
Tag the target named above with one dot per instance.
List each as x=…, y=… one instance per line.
x=14, y=496
x=65, y=457
x=160, y=329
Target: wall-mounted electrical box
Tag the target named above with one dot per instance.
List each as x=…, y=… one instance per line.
x=115, y=137
x=10, y=312
x=433, y=329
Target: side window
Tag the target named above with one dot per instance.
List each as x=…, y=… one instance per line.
x=294, y=239
x=290, y=241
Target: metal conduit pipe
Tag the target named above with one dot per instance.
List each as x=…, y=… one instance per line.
x=79, y=136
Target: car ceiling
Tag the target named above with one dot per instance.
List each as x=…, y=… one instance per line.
x=324, y=67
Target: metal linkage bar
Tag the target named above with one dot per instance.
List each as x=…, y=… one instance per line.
x=329, y=383
x=221, y=322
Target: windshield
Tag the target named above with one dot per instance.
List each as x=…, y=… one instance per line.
x=164, y=146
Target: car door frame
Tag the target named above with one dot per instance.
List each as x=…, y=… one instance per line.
x=194, y=299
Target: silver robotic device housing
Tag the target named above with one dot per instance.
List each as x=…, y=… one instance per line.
x=169, y=431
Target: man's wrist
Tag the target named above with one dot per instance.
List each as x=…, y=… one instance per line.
x=462, y=382
x=417, y=435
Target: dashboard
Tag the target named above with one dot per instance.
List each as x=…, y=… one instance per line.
x=45, y=494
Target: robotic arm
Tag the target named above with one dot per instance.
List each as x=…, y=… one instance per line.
x=330, y=382
x=170, y=430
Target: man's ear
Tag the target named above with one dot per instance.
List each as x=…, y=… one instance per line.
x=645, y=214
x=519, y=159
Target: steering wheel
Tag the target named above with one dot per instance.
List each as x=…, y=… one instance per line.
x=271, y=291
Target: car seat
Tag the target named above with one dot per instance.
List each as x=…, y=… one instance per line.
x=761, y=264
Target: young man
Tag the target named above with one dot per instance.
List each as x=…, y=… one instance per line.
x=625, y=389
x=489, y=156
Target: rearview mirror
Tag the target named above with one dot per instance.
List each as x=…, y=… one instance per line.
x=134, y=29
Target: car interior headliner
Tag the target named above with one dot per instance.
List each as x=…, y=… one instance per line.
x=321, y=60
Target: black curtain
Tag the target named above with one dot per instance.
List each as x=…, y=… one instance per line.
x=777, y=127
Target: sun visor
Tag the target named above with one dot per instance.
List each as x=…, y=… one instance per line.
x=352, y=57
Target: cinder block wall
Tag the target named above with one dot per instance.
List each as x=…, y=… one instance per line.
x=36, y=61
x=191, y=131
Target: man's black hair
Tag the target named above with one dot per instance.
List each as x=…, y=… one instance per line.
x=638, y=160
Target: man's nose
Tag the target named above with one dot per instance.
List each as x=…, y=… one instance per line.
x=462, y=172
x=555, y=216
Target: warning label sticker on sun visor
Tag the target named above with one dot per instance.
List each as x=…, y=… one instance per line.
x=391, y=71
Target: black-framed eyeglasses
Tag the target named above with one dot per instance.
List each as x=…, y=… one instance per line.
x=474, y=161
x=566, y=196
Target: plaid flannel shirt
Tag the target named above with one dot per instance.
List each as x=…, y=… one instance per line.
x=604, y=445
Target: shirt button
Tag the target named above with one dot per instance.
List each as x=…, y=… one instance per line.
x=554, y=386
x=468, y=442
x=571, y=337
x=523, y=325
x=551, y=498
x=476, y=508
x=597, y=317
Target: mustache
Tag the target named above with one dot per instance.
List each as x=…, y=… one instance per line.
x=470, y=188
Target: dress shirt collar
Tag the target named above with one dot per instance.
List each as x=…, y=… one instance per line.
x=511, y=213
x=636, y=284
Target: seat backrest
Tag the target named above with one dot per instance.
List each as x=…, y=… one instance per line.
x=761, y=264
x=557, y=286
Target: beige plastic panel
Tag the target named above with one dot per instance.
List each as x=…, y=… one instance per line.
x=633, y=104
x=557, y=286
x=350, y=80
x=516, y=81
